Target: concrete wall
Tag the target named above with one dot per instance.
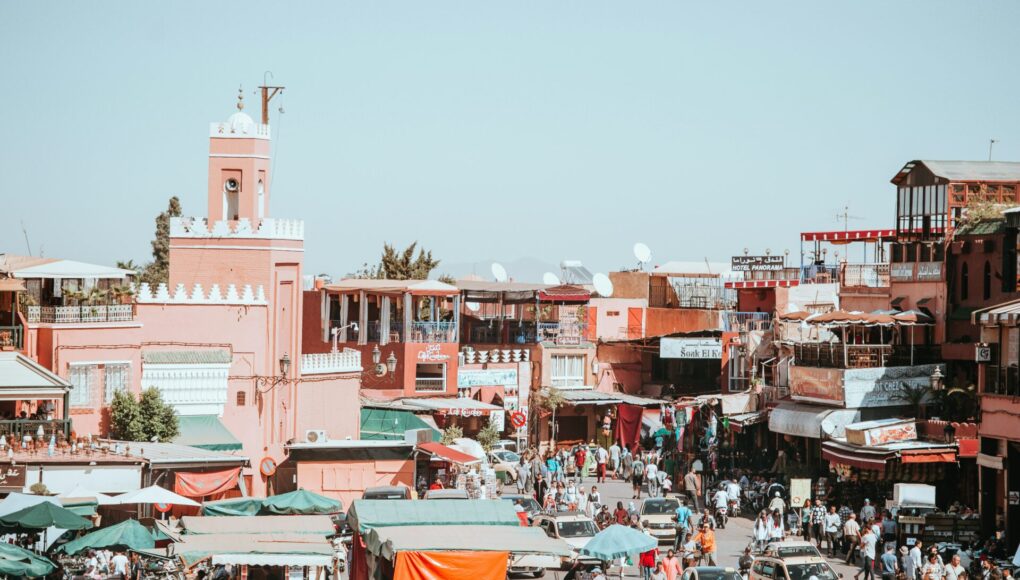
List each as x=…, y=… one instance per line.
x=347, y=480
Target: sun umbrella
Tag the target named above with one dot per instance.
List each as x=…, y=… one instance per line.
x=300, y=502
x=127, y=534
x=154, y=494
x=618, y=541
x=41, y=516
x=16, y=562
x=80, y=492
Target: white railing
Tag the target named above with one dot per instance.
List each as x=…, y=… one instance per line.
x=266, y=228
x=79, y=314
x=346, y=361
x=429, y=384
x=198, y=295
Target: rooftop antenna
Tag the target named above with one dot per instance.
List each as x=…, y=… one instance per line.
x=991, y=143
x=846, y=217
x=643, y=254
x=268, y=92
x=499, y=272
x=603, y=285
x=24, y=230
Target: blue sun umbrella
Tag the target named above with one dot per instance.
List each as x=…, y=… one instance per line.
x=618, y=541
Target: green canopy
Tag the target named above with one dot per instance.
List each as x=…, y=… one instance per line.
x=375, y=513
x=85, y=509
x=41, y=516
x=244, y=506
x=19, y=562
x=128, y=534
x=206, y=432
x=390, y=424
x=618, y=541
x=300, y=503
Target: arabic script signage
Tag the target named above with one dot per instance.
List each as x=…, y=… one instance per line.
x=486, y=378
x=857, y=388
x=432, y=353
x=690, y=348
x=12, y=477
x=756, y=263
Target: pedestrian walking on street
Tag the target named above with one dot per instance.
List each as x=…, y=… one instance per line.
x=954, y=571
x=614, y=458
x=818, y=523
x=523, y=473
x=852, y=536
x=652, y=477
x=776, y=531
x=832, y=526
x=659, y=573
x=621, y=514
x=638, y=478
x=601, y=464
x=890, y=566
x=541, y=488
x=932, y=569
x=869, y=543
x=761, y=531
x=582, y=501
x=907, y=564
x=867, y=511
x=671, y=565
x=805, y=520
x=706, y=539
x=916, y=560
x=692, y=487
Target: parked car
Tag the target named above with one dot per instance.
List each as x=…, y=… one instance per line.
x=446, y=494
x=574, y=528
x=710, y=573
x=657, y=515
x=791, y=549
x=505, y=461
x=792, y=568
x=505, y=445
x=387, y=492
x=529, y=503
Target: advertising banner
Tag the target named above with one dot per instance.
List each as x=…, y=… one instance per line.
x=690, y=348
x=756, y=263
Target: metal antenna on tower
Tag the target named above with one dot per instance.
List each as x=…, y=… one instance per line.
x=24, y=230
x=846, y=217
x=991, y=143
x=268, y=92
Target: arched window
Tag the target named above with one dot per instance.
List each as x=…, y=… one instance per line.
x=987, y=292
x=964, y=282
x=242, y=398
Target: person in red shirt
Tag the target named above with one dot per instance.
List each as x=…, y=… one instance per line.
x=579, y=459
x=437, y=484
x=647, y=561
x=621, y=514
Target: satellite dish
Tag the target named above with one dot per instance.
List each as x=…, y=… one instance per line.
x=642, y=252
x=550, y=279
x=472, y=306
x=498, y=272
x=603, y=285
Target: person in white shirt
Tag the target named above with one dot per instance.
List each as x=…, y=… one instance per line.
x=916, y=561
x=721, y=499
x=733, y=490
x=601, y=464
x=832, y=524
x=954, y=570
x=652, y=477
x=120, y=565
x=614, y=458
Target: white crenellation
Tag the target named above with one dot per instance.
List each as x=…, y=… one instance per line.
x=197, y=295
x=266, y=228
x=346, y=361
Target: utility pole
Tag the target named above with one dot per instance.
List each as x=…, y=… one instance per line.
x=268, y=92
x=991, y=143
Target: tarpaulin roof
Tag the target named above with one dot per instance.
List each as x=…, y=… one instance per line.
x=18, y=562
x=390, y=424
x=447, y=453
x=41, y=516
x=155, y=494
x=593, y=397
x=299, y=502
x=811, y=421
x=386, y=542
x=127, y=534
x=206, y=432
x=273, y=549
x=319, y=525
x=371, y=513
x=875, y=457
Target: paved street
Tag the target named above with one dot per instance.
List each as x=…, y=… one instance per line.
x=731, y=541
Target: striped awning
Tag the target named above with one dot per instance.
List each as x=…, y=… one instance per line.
x=1007, y=314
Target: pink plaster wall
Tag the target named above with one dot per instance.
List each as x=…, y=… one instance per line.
x=347, y=480
x=612, y=318
x=999, y=416
x=253, y=161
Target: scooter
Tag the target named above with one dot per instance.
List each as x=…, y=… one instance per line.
x=720, y=518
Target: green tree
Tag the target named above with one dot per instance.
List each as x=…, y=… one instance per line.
x=400, y=264
x=450, y=434
x=143, y=419
x=488, y=436
x=128, y=265
x=158, y=270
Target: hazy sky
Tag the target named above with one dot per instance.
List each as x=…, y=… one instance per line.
x=506, y=130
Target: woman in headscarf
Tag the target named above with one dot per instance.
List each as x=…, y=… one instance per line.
x=776, y=532
x=761, y=531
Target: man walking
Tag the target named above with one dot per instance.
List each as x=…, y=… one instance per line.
x=916, y=561
x=523, y=473
x=601, y=460
x=652, y=477
x=692, y=486
x=852, y=536
x=832, y=523
x=614, y=458
x=867, y=511
x=818, y=523
x=889, y=564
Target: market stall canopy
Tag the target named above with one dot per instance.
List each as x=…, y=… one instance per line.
x=390, y=424
x=1005, y=313
x=373, y=513
x=811, y=421
x=315, y=525
x=242, y=506
x=17, y=501
x=82, y=494
x=455, y=406
x=17, y=562
x=41, y=516
x=877, y=457
x=153, y=495
x=386, y=542
x=795, y=315
x=447, y=454
x=273, y=549
x=206, y=432
x=23, y=378
x=299, y=502
x=589, y=396
x=618, y=541
x=128, y=534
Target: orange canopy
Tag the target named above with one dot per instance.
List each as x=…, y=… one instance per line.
x=450, y=566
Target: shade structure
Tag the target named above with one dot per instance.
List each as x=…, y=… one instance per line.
x=318, y=525
x=251, y=549
x=153, y=495
x=41, y=516
x=128, y=534
x=618, y=541
x=300, y=503
x=83, y=493
x=206, y=432
x=387, y=541
x=19, y=562
x=243, y=506
x=375, y=513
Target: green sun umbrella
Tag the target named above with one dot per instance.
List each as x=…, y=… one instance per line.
x=18, y=562
x=127, y=534
x=300, y=502
x=618, y=541
x=41, y=516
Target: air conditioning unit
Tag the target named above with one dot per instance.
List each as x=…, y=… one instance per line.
x=316, y=436
x=418, y=436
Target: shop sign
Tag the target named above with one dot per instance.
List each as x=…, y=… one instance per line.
x=12, y=477
x=467, y=378
x=929, y=271
x=902, y=272
x=884, y=387
x=690, y=348
x=800, y=490
x=756, y=263
x=498, y=420
x=432, y=353
x=817, y=385
x=463, y=412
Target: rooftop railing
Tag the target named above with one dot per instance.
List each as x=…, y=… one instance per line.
x=345, y=361
x=865, y=275
x=864, y=356
x=79, y=314
x=746, y=321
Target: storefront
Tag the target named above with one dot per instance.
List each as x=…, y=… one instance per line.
x=434, y=461
x=869, y=471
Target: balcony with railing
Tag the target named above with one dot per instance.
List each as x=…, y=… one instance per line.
x=347, y=360
x=441, y=332
x=16, y=429
x=10, y=337
x=430, y=384
x=374, y=329
x=863, y=356
x=865, y=276
x=746, y=321
x=78, y=314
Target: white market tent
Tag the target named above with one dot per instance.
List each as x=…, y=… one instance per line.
x=81, y=492
x=153, y=495
x=386, y=541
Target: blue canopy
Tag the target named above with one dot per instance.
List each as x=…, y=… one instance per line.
x=618, y=541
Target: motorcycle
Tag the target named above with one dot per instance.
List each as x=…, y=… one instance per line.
x=721, y=518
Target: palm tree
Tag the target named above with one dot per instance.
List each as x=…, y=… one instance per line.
x=914, y=397
x=128, y=265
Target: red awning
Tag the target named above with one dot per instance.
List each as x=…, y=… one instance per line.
x=564, y=293
x=928, y=456
x=848, y=236
x=835, y=453
x=446, y=453
x=750, y=284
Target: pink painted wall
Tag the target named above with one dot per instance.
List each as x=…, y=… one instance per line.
x=347, y=480
x=999, y=416
x=612, y=319
x=247, y=160
x=619, y=364
x=229, y=260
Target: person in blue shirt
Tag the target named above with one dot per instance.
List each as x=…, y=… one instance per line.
x=683, y=525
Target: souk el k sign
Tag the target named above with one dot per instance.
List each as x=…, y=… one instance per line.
x=690, y=348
